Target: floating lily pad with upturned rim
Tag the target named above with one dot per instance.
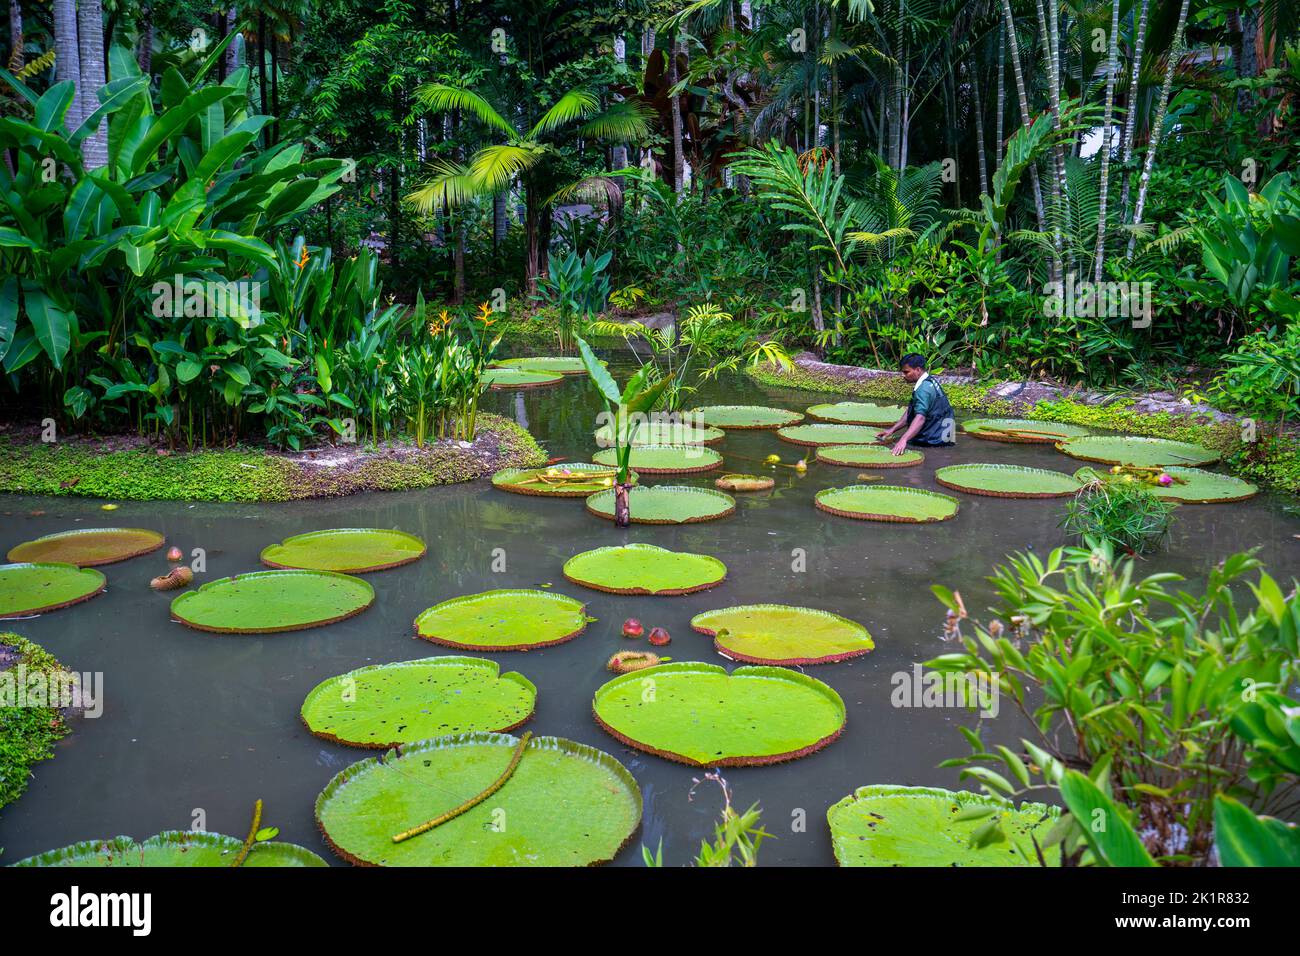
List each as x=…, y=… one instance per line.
x=698, y=714
x=525, y=481
x=663, y=459
x=784, y=635
x=666, y=504
x=170, y=848
x=88, y=547
x=828, y=434
x=644, y=569
x=508, y=378
x=268, y=602
x=1133, y=450
x=742, y=417
x=384, y=705
x=1029, y=431
x=663, y=433
x=888, y=503
x=547, y=364
x=1198, y=487
x=1008, y=481
x=868, y=456
x=565, y=804
x=34, y=588
x=507, y=619
x=349, y=550
x=856, y=413
x=886, y=825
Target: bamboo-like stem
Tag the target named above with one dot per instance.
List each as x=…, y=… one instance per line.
x=472, y=802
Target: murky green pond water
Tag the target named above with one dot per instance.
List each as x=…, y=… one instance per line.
x=201, y=723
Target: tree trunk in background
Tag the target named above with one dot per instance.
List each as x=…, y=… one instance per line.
x=1108, y=142
x=1130, y=121
x=1002, y=97
x=499, y=223
x=675, y=106
x=976, y=83
x=261, y=64
x=1248, y=65
x=1026, y=118
x=275, y=83
x=15, y=36
x=1052, y=67
x=67, y=57
x=90, y=36
x=532, y=229
x=232, y=52
x=144, y=56
x=1153, y=141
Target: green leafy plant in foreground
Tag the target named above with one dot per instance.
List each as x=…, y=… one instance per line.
x=1152, y=706
x=736, y=836
x=1122, y=512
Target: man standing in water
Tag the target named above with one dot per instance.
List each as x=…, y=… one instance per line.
x=929, y=420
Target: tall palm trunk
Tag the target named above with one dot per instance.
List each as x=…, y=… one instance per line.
x=232, y=51
x=144, y=55
x=1026, y=118
x=67, y=56
x=1052, y=66
x=15, y=36
x=1130, y=120
x=1107, y=144
x=1002, y=97
x=532, y=231
x=675, y=105
x=1175, y=54
x=90, y=40
x=976, y=84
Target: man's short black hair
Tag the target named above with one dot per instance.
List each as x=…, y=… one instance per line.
x=912, y=360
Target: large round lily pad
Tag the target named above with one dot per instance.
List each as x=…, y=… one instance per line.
x=856, y=413
x=510, y=378
x=666, y=504
x=503, y=620
x=384, y=705
x=887, y=503
x=27, y=588
x=698, y=714
x=827, y=434
x=779, y=634
x=1021, y=431
x=565, y=804
x=644, y=569
x=663, y=433
x=557, y=481
x=550, y=364
x=746, y=416
x=1191, y=486
x=173, y=848
x=1133, y=450
x=886, y=825
x=351, y=550
x=1008, y=481
x=267, y=602
x=868, y=456
x=88, y=547
x=664, y=459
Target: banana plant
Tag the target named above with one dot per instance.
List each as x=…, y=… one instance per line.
x=626, y=407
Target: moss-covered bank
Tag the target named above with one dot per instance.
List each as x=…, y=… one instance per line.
x=27, y=734
x=86, y=468
x=1274, y=462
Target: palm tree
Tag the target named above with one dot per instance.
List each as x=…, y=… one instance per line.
x=1107, y=144
x=90, y=42
x=67, y=56
x=523, y=156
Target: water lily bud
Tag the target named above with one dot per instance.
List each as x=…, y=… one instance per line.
x=1165, y=480
x=772, y=460
x=659, y=637
x=632, y=628
x=175, y=555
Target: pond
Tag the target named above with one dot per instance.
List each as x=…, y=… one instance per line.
x=197, y=723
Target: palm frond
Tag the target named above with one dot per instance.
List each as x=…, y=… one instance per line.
x=573, y=105
x=443, y=98
x=493, y=168
x=620, y=123
x=451, y=184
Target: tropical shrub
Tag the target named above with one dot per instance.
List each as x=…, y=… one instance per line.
x=1121, y=511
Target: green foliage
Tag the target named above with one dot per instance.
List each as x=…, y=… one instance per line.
x=1122, y=512
x=736, y=836
x=27, y=734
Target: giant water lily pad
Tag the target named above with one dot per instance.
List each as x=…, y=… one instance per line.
x=565, y=804
x=666, y=504
x=267, y=602
x=644, y=569
x=27, y=588
x=746, y=416
x=663, y=459
x=1192, y=486
x=1132, y=450
x=1008, y=481
x=549, y=364
x=826, y=434
x=388, y=704
x=868, y=456
x=1021, y=431
x=557, y=481
x=88, y=547
x=700, y=715
x=508, y=378
x=351, y=550
x=173, y=848
x=886, y=825
x=887, y=503
x=663, y=433
x=503, y=620
x=779, y=634
x=856, y=413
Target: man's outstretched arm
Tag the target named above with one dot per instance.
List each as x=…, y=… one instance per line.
x=917, y=424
